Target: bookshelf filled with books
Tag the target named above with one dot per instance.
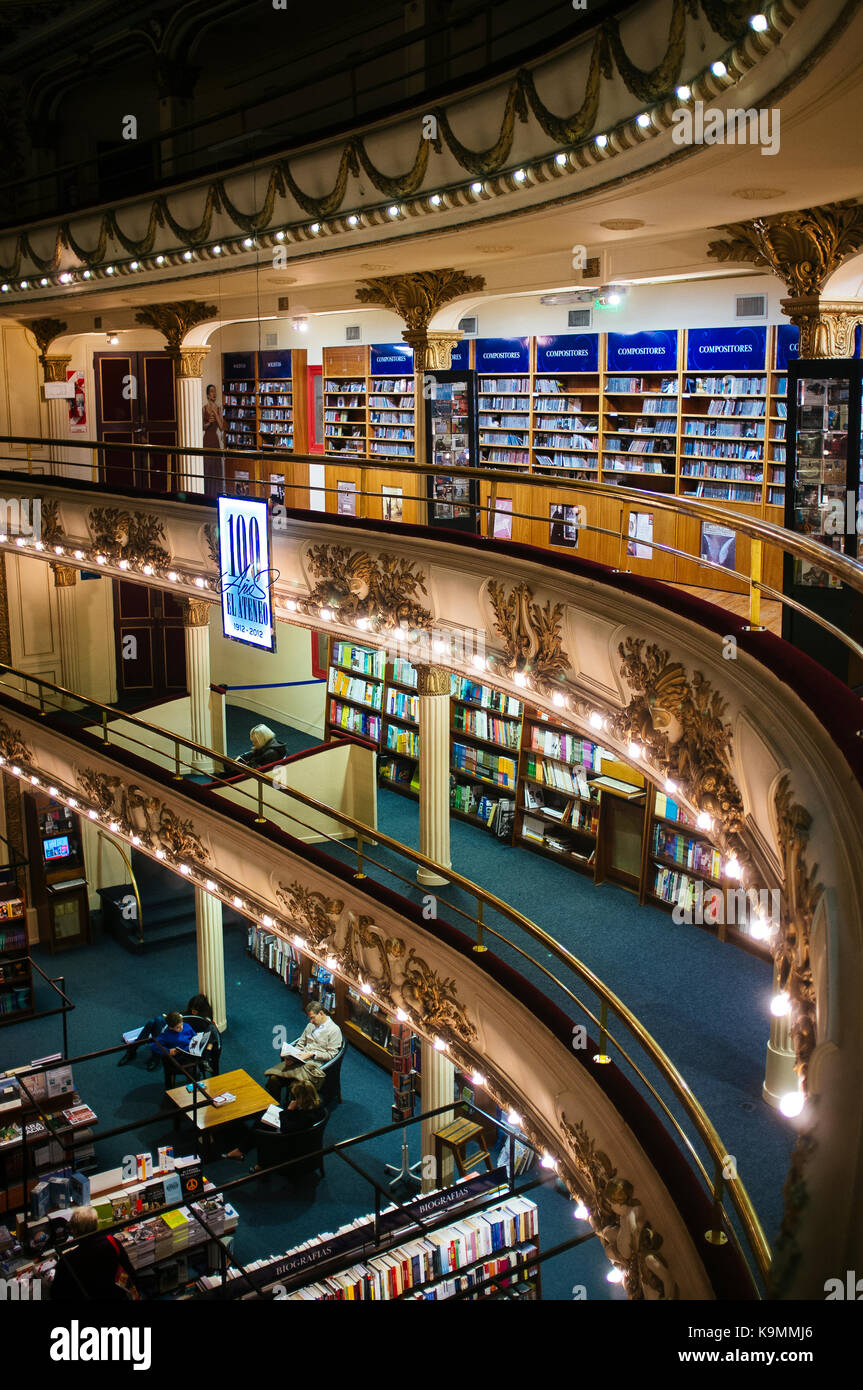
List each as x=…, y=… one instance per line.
x=640, y=424
x=16, y=975
x=50, y=1119
x=264, y=400
x=565, y=425
x=503, y=399
x=557, y=810
x=485, y=738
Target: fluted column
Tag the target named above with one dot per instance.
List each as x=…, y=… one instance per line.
x=188, y=366
x=196, y=625
x=211, y=953
x=779, y=1075
x=438, y=1088
x=433, y=689
x=65, y=588
x=53, y=370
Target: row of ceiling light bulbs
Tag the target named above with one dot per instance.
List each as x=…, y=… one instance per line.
x=173, y=576
x=644, y=121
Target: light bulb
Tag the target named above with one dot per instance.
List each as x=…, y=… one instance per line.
x=238, y=902
x=581, y=1213
x=477, y=1079
x=615, y=1275
x=602, y=141
x=200, y=583
x=160, y=260
x=79, y=554
x=643, y=120
x=136, y=840
x=100, y=560
x=780, y=1004
x=248, y=243
x=331, y=962
x=393, y=210
x=113, y=827
x=519, y=176
x=759, y=22
x=401, y=1016
x=327, y=615
x=92, y=815
x=558, y=700
x=520, y=679
x=133, y=265
x=635, y=750
x=595, y=720
x=217, y=250
x=58, y=550
x=280, y=236
x=440, y=1045
x=670, y=787
x=34, y=781
x=719, y=69
x=43, y=282
x=704, y=821
x=478, y=663
x=513, y=1119
x=366, y=987
x=792, y=1103
x=548, y=1162
x=476, y=187
x=148, y=569
x=173, y=576
x=210, y=886
x=353, y=220
x=435, y=201
x=561, y=159
x=52, y=791
x=315, y=228
x=732, y=868
x=65, y=278
x=124, y=564
x=70, y=801
x=291, y=605
x=266, y=921
x=184, y=869
x=88, y=274
x=160, y=854
x=109, y=270
x=299, y=941
x=187, y=255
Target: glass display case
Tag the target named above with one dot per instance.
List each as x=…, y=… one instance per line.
x=822, y=501
x=451, y=442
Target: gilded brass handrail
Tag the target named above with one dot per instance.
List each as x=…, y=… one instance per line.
x=103, y=835
x=698, y=1116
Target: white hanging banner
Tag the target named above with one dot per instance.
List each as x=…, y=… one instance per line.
x=246, y=577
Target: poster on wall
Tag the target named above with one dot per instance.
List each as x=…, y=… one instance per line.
x=392, y=503
x=77, y=402
x=719, y=545
x=347, y=499
x=502, y=519
x=563, y=525
x=246, y=576
x=640, y=535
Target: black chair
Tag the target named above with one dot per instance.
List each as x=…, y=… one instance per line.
x=330, y=1089
x=305, y=1144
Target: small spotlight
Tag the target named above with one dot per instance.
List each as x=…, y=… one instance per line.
x=184, y=869
x=704, y=821
x=601, y=141
x=792, y=1103
x=557, y=700
x=718, y=68
x=315, y=228
x=759, y=22
x=200, y=583
x=581, y=1213
x=65, y=279
x=187, y=255
x=148, y=570
x=43, y=281
x=635, y=750
x=393, y=210
x=561, y=159
x=684, y=93
x=109, y=270
x=476, y=187
x=435, y=201
x=353, y=220
x=615, y=1275
x=87, y=275
x=643, y=120
x=160, y=260
x=210, y=886
x=670, y=787
x=280, y=236
x=595, y=720
x=248, y=243
x=519, y=176
x=133, y=265
x=24, y=284
x=780, y=1005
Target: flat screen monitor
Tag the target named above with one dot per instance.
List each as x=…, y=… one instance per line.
x=56, y=848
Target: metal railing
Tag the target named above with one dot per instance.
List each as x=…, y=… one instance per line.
x=136, y=734
x=760, y=533
x=111, y=840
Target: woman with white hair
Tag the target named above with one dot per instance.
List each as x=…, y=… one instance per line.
x=265, y=748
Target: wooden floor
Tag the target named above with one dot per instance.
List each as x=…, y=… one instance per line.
x=738, y=604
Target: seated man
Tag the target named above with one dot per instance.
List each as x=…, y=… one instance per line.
x=174, y=1038
x=265, y=748
x=319, y=1042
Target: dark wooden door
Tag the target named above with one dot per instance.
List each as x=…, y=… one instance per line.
x=136, y=404
x=150, y=642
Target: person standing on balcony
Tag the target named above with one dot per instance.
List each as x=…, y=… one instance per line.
x=213, y=423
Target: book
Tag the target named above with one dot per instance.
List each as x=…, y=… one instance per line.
x=271, y=1116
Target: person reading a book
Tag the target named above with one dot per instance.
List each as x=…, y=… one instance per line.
x=265, y=748
x=304, y=1109
x=198, y=1005
x=174, y=1038
x=319, y=1042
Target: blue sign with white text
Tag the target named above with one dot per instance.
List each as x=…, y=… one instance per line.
x=787, y=345
x=237, y=364
x=392, y=359
x=643, y=352
x=568, y=352
x=502, y=355
x=734, y=349
x=461, y=356
x=274, y=364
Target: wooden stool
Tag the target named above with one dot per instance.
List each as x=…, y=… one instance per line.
x=456, y=1138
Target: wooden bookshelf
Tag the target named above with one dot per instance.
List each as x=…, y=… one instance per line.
x=566, y=407
x=346, y=372
x=16, y=974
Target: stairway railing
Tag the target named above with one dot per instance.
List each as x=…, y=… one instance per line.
x=111, y=840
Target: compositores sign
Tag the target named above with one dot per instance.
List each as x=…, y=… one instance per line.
x=246, y=576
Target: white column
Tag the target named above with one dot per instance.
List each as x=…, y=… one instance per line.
x=433, y=688
x=53, y=370
x=196, y=625
x=188, y=365
x=779, y=1074
x=65, y=589
x=211, y=954
x=438, y=1088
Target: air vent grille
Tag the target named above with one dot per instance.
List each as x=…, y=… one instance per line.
x=352, y=333
x=579, y=318
x=751, y=306
x=468, y=326
x=271, y=340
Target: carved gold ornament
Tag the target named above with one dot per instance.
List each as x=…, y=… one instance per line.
x=381, y=589
x=619, y=1220
x=122, y=535
x=196, y=612
x=803, y=248
x=211, y=540
x=54, y=368
x=65, y=576
x=433, y=680
x=397, y=975
x=799, y=902
x=45, y=331
x=533, y=643
x=12, y=745
x=52, y=527
x=189, y=361
x=175, y=320
x=827, y=326
x=417, y=297
x=138, y=813
x=679, y=720
x=432, y=348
